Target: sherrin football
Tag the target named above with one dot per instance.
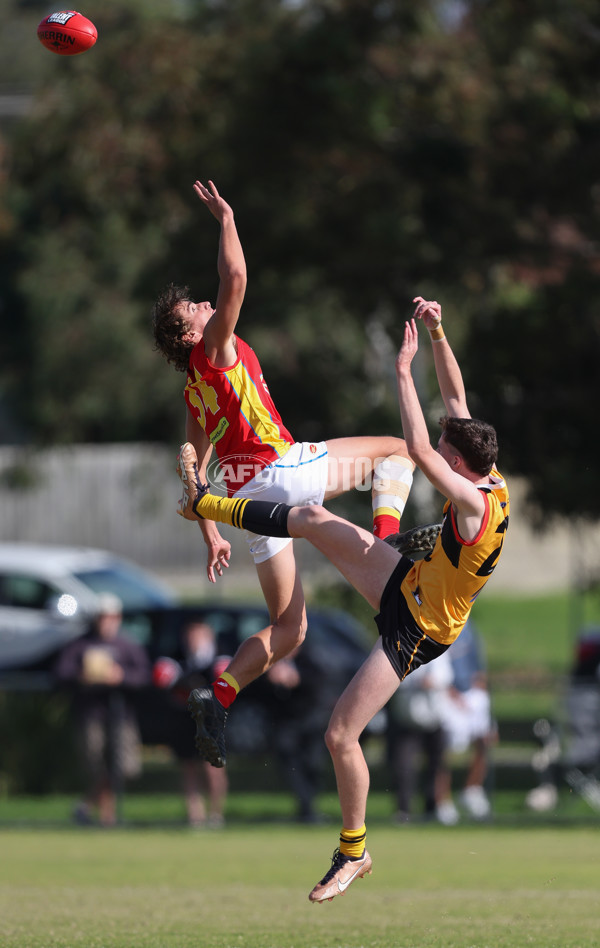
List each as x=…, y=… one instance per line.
x=67, y=33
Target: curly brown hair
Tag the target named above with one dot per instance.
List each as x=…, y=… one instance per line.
x=474, y=439
x=169, y=327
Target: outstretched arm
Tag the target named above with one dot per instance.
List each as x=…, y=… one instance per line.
x=462, y=492
x=231, y=267
x=218, y=549
x=447, y=369
x=414, y=426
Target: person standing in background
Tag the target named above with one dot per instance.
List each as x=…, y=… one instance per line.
x=104, y=669
x=204, y=787
x=469, y=727
x=417, y=741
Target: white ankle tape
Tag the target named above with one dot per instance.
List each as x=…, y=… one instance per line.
x=392, y=481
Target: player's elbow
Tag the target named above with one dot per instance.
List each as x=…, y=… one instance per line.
x=237, y=279
x=457, y=408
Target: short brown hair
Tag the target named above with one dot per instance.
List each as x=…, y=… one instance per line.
x=474, y=439
x=169, y=326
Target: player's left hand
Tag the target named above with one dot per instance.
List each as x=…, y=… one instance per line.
x=409, y=347
x=218, y=559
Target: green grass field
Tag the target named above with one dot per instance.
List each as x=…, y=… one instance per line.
x=247, y=886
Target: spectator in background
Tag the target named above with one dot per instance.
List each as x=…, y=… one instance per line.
x=416, y=736
x=570, y=747
x=468, y=724
x=204, y=786
x=104, y=668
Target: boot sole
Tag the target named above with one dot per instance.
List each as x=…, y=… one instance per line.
x=417, y=540
x=206, y=745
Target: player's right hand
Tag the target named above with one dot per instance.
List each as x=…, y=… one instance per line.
x=211, y=198
x=429, y=311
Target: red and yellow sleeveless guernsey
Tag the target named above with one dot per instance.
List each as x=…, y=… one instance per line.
x=235, y=409
x=440, y=589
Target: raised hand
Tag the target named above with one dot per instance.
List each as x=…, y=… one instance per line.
x=409, y=346
x=429, y=311
x=211, y=198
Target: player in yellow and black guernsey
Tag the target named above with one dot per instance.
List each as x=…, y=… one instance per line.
x=422, y=606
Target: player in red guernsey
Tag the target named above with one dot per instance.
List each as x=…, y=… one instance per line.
x=237, y=413
x=231, y=411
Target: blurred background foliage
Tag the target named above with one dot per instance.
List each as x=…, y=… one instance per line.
x=372, y=151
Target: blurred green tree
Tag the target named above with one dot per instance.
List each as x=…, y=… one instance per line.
x=533, y=347
x=372, y=152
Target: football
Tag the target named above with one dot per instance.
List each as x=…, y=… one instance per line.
x=67, y=33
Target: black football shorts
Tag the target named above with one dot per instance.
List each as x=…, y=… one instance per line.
x=404, y=643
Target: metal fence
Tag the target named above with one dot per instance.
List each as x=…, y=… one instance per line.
x=118, y=497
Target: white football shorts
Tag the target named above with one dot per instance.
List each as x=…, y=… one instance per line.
x=299, y=479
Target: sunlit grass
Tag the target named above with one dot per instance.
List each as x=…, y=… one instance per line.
x=246, y=887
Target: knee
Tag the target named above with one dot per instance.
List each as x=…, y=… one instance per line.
x=293, y=628
x=309, y=520
x=336, y=737
x=299, y=631
x=302, y=629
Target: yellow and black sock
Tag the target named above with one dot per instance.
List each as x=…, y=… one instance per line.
x=353, y=841
x=257, y=516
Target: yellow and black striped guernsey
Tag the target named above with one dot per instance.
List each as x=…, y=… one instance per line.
x=440, y=589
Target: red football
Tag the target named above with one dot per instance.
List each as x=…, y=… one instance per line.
x=67, y=33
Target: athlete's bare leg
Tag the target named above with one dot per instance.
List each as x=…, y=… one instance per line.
x=351, y=460
x=282, y=589
x=370, y=689
x=365, y=561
